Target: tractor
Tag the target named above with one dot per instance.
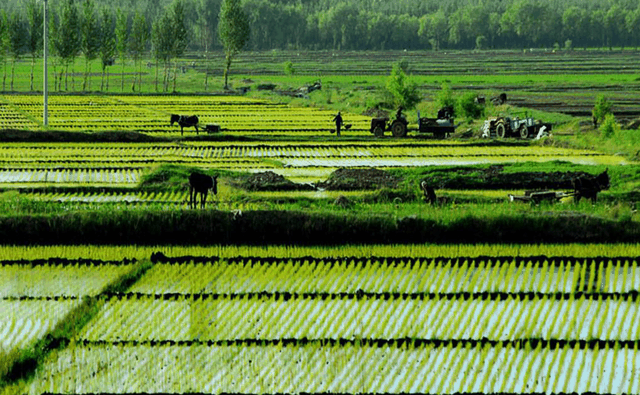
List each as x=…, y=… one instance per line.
x=440, y=127
x=524, y=128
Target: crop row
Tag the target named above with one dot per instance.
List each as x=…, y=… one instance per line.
x=152, y=114
x=282, y=254
x=50, y=279
x=350, y=369
x=440, y=318
x=25, y=321
x=285, y=296
x=318, y=276
x=235, y=150
x=111, y=176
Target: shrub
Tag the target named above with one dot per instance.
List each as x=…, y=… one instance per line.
x=468, y=107
x=404, y=91
x=609, y=127
x=601, y=109
x=445, y=98
x=289, y=69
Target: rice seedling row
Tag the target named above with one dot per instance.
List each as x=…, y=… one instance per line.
x=234, y=318
x=470, y=275
x=69, y=254
x=122, y=113
x=345, y=369
x=83, y=175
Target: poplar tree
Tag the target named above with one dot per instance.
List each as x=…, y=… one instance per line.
x=68, y=37
x=137, y=45
x=35, y=19
x=122, y=38
x=107, y=43
x=91, y=39
x=4, y=44
x=17, y=34
x=234, y=32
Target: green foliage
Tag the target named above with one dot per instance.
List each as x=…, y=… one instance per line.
x=601, y=109
x=234, y=32
x=609, y=127
x=568, y=45
x=35, y=20
x=445, y=97
x=404, y=90
x=468, y=107
x=289, y=69
x=107, y=38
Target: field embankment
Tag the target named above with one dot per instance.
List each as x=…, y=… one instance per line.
x=293, y=227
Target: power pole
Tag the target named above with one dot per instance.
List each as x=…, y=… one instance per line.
x=45, y=90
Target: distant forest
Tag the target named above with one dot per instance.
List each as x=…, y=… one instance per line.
x=355, y=24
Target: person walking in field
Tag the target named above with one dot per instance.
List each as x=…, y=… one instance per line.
x=338, y=121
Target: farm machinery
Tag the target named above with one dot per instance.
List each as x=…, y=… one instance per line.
x=524, y=128
x=441, y=126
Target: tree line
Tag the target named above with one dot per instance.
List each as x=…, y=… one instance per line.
x=164, y=29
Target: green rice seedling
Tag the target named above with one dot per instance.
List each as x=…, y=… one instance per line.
x=594, y=318
x=608, y=287
x=616, y=352
x=601, y=379
x=582, y=366
x=565, y=351
x=634, y=373
x=447, y=377
x=619, y=303
x=565, y=272
x=605, y=318
x=508, y=314
x=527, y=269
x=546, y=375
x=484, y=371
x=534, y=356
x=580, y=274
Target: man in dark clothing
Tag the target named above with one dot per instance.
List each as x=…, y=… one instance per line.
x=338, y=121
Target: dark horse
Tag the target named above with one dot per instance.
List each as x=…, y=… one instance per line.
x=185, y=121
x=201, y=184
x=588, y=186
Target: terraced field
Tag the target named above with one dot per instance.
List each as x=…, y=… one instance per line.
x=151, y=114
x=404, y=319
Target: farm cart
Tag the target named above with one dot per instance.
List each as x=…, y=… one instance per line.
x=440, y=127
x=540, y=196
x=514, y=127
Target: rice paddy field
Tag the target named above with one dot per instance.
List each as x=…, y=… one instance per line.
x=81, y=315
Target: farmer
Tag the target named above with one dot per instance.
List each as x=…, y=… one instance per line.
x=338, y=121
x=399, y=113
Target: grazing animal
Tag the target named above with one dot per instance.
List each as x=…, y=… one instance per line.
x=201, y=184
x=185, y=121
x=588, y=186
x=429, y=193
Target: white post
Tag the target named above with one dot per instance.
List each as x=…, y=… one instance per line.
x=45, y=90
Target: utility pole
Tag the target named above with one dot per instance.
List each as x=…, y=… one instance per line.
x=45, y=90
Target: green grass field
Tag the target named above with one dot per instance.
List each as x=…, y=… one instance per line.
x=318, y=267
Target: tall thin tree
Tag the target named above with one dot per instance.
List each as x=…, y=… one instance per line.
x=137, y=45
x=35, y=20
x=68, y=40
x=107, y=44
x=180, y=36
x=17, y=32
x=122, y=39
x=91, y=39
x=234, y=32
x=4, y=45
x=161, y=42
